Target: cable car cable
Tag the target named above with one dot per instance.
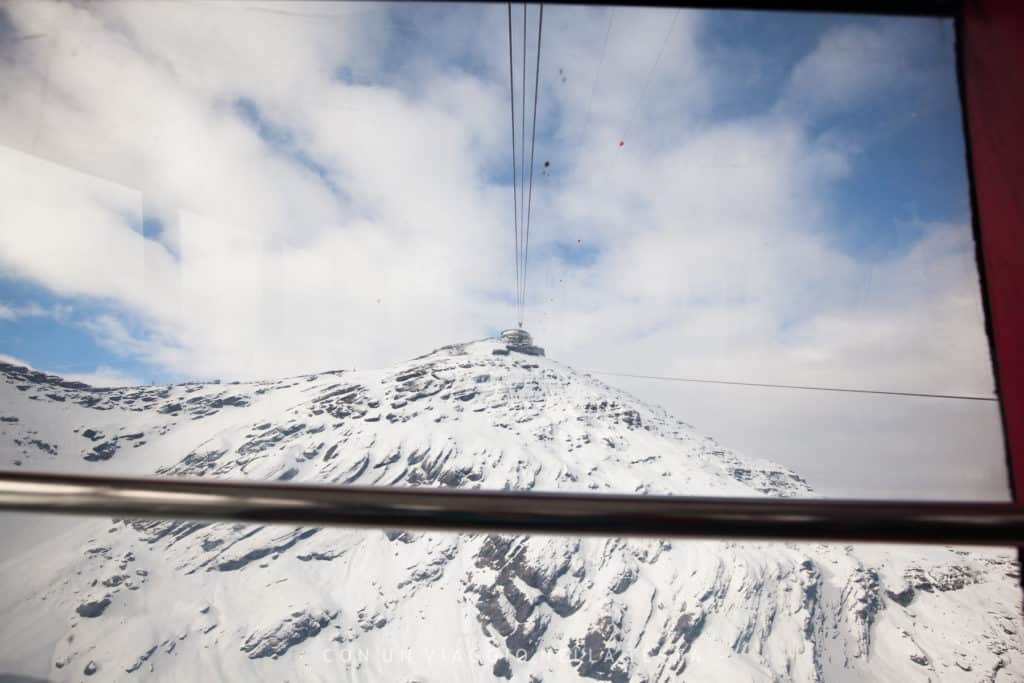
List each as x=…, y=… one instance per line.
x=533, y=142
x=958, y=397
x=597, y=76
x=650, y=74
x=515, y=176
x=522, y=170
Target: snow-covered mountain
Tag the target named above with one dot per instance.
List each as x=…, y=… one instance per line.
x=133, y=599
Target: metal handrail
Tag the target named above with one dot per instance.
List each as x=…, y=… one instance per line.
x=519, y=512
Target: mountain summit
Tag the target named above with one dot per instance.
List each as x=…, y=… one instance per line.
x=124, y=599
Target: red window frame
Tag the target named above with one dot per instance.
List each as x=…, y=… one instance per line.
x=991, y=64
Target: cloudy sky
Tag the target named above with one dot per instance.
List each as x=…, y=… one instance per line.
x=248, y=190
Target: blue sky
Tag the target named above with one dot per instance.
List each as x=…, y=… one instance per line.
x=901, y=140
x=277, y=189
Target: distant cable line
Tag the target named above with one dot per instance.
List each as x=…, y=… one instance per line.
x=522, y=171
x=597, y=75
x=515, y=175
x=650, y=75
x=522, y=197
x=958, y=397
x=533, y=142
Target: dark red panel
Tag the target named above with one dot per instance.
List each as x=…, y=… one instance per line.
x=992, y=63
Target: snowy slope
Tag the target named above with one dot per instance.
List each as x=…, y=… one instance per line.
x=127, y=599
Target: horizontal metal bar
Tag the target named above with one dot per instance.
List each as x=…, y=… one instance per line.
x=521, y=512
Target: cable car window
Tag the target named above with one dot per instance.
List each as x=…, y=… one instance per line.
x=500, y=247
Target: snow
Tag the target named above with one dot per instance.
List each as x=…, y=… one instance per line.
x=189, y=600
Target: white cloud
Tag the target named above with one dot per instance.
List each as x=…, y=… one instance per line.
x=104, y=376
x=257, y=247
x=12, y=312
x=853, y=64
x=11, y=360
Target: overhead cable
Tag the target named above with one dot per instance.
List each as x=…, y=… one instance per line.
x=515, y=182
x=958, y=397
x=650, y=75
x=597, y=75
x=533, y=142
x=522, y=171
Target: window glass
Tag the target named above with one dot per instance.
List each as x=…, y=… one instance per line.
x=731, y=254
